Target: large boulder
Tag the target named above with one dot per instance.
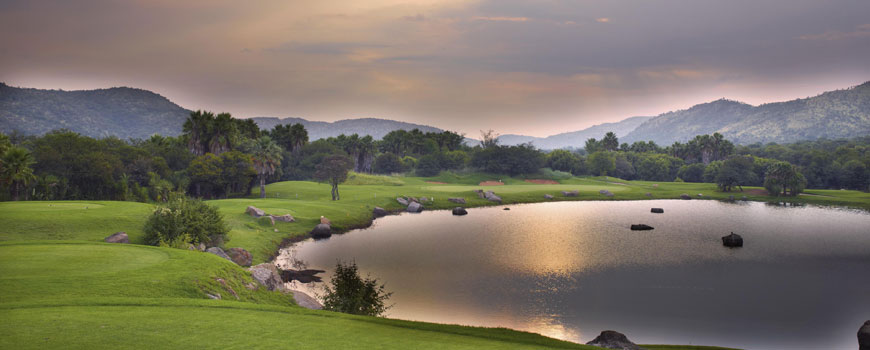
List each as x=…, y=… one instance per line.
x=570, y=193
x=219, y=252
x=491, y=196
x=685, y=196
x=415, y=207
x=321, y=231
x=641, y=227
x=240, y=256
x=283, y=218
x=459, y=211
x=118, y=237
x=254, y=211
x=732, y=241
x=267, y=275
x=379, y=212
x=306, y=301
x=864, y=336
x=613, y=340
x=456, y=200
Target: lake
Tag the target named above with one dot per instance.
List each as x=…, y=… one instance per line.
x=572, y=269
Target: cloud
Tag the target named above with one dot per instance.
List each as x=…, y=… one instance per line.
x=602, y=20
x=416, y=18
x=323, y=48
x=861, y=31
x=500, y=19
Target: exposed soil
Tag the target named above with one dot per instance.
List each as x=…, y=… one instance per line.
x=543, y=182
x=491, y=183
x=436, y=182
x=756, y=192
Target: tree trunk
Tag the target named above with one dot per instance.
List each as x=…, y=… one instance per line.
x=16, y=190
x=262, y=186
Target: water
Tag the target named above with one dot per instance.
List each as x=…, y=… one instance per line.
x=572, y=269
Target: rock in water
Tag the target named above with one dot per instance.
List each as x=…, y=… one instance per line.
x=321, y=231
x=570, y=193
x=254, y=211
x=415, y=207
x=402, y=201
x=641, y=227
x=506, y=209
x=548, y=196
x=733, y=240
x=240, y=256
x=456, y=200
x=613, y=340
x=118, y=237
x=267, y=275
x=657, y=210
x=864, y=336
x=219, y=252
x=379, y=212
x=459, y=211
x=685, y=196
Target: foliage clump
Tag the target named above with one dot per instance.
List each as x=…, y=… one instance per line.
x=183, y=220
x=349, y=293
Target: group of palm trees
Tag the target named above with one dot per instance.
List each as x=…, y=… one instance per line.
x=15, y=170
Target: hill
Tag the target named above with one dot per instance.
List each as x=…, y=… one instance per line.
x=576, y=139
x=832, y=115
x=375, y=127
x=120, y=111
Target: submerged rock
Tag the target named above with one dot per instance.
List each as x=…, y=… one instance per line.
x=303, y=276
x=379, y=212
x=239, y=256
x=219, y=252
x=267, y=275
x=459, y=211
x=415, y=207
x=657, y=210
x=254, y=211
x=118, y=237
x=321, y=231
x=506, y=208
x=614, y=340
x=733, y=240
x=641, y=227
x=864, y=336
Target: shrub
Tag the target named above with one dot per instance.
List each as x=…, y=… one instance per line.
x=428, y=166
x=350, y=293
x=185, y=219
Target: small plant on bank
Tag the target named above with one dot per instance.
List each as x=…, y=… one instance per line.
x=183, y=220
x=349, y=293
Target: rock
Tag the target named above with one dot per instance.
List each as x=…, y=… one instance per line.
x=731, y=198
x=604, y=192
x=548, y=196
x=402, y=201
x=649, y=194
x=456, y=200
x=685, y=196
x=480, y=193
x=412, y=199
x=306, y=301
x=267, y=275
x=251, y=286
x=459, y=211
x=303, y=276
x=219, y=252
x=240, y=256
x=283, y=218
x=641, y=227
x=379, y=212
x=325, y=221
x=700, y=195
x=864, y=336
x=570, y=193
x=423, y=199
x=657, y=210
x=216, y=296
x=227, y=287
x=491, y=196
x=118, y=237
x=201, y=247
x=321, y=231
x=254, y=211
x=613, y=340
x=415, y=207
x=733, y=240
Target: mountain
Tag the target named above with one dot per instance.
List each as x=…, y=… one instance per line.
x=120, y=111
x=575, y=139
x=833, y=114
x=375, y=127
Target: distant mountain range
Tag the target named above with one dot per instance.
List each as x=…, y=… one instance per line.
x=135, y=113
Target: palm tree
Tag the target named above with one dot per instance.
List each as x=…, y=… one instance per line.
x=223, y=133
x=16, y=169
x=266, y=155
x=196, y=129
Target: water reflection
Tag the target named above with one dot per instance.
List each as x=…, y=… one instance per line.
x=570, y=270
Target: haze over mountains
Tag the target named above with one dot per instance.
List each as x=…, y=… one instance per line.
x=135, y=113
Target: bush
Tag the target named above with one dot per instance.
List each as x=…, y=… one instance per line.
x=185, y=219
x=428, y=166
x=350, y=293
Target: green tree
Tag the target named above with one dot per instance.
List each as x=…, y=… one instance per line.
x=601, y=163
x=735, y=171
x=593, y=146
x=333, y=170
x=15, y=169
x=782, y=178
x=205, y=171
x=197, y=131
x=567, y=161
x=855, y=175
x=387, y=163
x=428, y=166
x=692, y=172
x=349, y=293
x=610, y=142
x=266, y=155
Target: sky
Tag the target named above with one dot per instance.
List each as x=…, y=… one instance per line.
x=534, y=67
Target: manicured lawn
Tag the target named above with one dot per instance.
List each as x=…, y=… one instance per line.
x=71, y=220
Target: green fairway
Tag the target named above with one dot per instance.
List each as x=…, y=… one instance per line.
x=71, y=220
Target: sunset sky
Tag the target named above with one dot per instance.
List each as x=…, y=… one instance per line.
x=529, y=67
